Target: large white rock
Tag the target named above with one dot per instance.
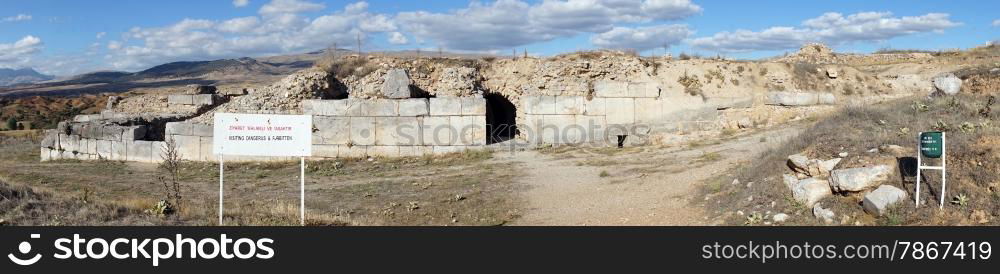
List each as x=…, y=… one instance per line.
x=396, y=85
x=799, y=163
x=858, y=179
x=947, y=83
x=811, y=190
x=878, y=201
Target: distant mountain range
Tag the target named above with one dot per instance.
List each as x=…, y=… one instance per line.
x=10, y=77
x=216, y=69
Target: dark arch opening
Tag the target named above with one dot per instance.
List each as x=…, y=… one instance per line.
x=501, y=122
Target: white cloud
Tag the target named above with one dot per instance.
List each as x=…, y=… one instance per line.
x=397, y=38
x=240, y=3
x=19, y=52
x=277, y=30
x=832, y=28
x=114, y=45
x=276, y=7
x=101, y=35
x=242, y=24
x=504, y=24
x=641, y=38
x=996, y=23
x=19, y=17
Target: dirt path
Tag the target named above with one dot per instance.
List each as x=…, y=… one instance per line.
x=641, y=186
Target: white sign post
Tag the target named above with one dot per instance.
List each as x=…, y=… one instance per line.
x=263, y=135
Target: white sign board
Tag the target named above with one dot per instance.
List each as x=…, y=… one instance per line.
x=262, y=135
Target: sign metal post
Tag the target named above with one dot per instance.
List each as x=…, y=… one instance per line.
x=932, y=145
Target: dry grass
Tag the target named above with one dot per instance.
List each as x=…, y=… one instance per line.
x=973, y=163
x=456, y=189
x=344, y=67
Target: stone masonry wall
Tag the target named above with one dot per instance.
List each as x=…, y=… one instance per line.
x=396, y=127
x=618, y=108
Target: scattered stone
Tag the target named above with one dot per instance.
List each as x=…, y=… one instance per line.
x=739, y=212
x=824, y=214
x=750, y=184
x=878, y=201
x=750, y=198
x=780, y=217
x=396, y=84
x=843, y=154
x=947, y=84
x=874, y=150
x=858, y=179
x=736, y=181
x=825, y=167
x=810, y=191
x=798, y=163
x=790, y=180
x=832, y=73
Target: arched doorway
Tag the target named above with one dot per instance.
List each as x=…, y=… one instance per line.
x=501, y=114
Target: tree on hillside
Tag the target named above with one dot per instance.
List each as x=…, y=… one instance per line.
x=11, y=123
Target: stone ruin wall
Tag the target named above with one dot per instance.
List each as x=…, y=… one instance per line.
x=558, y=106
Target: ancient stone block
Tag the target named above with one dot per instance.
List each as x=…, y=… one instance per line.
x=648, y=110
x=414, y=107
x=332, y=130
x=352, y=151
x=202, y=99
x=556, y=129
x=51, y=139
x=610, y=89
x=180, y=99
x=119, y=151
x=178, y=128
x=202, y=130
x=104, y=149
x=437, y=130
x=881, y=199
x=594, y=127
x=471, y=129
x=45, y=154
x=643, y=89
x=568, y=105
x=594, y=106
x=333, y=107
x=157, y=148
x=442, y=106
x=620, y=110
x=326, y=151
x=396, y=84
x=140, y=151
x=383, y=108
x=413, y=151
x=473, y=105
x=544, y=105
x=92, y=146
x=188, y=147
x=398, y=131
x=362, y=131
x=383, y=151
x=206, y=152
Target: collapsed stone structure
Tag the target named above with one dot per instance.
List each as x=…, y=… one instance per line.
x=406, y=107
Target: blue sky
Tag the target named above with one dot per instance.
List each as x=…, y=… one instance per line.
x=70, y=37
